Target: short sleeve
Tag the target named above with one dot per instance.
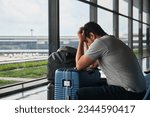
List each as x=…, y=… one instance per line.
x=96, y=50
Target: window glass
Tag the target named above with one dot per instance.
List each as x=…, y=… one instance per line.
x=106, y=3
x=135, y=37
x=145, y=9
x=144, y=17
x=21, y=17
x=123, y=7
x=73, y=14
x=146, y=49
x=144, y=36
x=135, y=13
x=105, y=20
x=123, y=29
x=23, y=37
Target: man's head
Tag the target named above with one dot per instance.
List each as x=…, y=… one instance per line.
x=92, y=31
x=92, y=27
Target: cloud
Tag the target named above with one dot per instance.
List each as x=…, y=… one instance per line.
x=73, y=14
x=17, y=17
x=20, y=15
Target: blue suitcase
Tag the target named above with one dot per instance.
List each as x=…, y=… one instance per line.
x=68, y=81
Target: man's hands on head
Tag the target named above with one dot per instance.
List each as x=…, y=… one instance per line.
x=81, y=35
x=82, y=61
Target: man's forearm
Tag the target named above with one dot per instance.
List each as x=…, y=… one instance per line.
x=80, y=50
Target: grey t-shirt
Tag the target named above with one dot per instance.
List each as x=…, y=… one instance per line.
x=118, y=63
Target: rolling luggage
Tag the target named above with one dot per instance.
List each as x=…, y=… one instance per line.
x=63, y=57
x=68, y=81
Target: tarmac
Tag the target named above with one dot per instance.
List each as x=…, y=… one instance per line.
x=5, y=59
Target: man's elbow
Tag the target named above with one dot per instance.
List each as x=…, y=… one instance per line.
x=78, y=67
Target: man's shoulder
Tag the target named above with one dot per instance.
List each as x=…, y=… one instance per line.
x=106, y=38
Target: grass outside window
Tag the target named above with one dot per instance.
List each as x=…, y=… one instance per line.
x=30, y=70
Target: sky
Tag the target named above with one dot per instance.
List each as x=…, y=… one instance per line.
x=18, y=17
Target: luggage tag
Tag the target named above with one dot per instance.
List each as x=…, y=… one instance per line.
x=67, y=84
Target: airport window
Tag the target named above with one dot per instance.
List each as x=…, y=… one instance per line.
x=135, y=13
x=73, y=14
x=135, y=37
x=145, y=47
x=106, y=3
x=123, y=29
x=23, y=40
x=24, y=31
x=144, y=17
x=123, y=7
x=105, y=17
x=105, y=20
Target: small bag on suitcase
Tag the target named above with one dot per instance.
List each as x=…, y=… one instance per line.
x=68, y=81
x=64, y=57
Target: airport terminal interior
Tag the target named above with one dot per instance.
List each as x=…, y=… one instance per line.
x=36, y=28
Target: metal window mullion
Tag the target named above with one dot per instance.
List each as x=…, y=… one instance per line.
x=111, y=11
x=140, y=28
x=130, y=24
x=93, y=11
x=116, y=18
x=53, y=37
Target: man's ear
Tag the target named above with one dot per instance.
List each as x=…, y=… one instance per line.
x=92, y=36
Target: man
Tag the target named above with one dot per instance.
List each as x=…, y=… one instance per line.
x=125, y=80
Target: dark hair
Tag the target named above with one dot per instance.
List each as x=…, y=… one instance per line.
x=94, y=28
